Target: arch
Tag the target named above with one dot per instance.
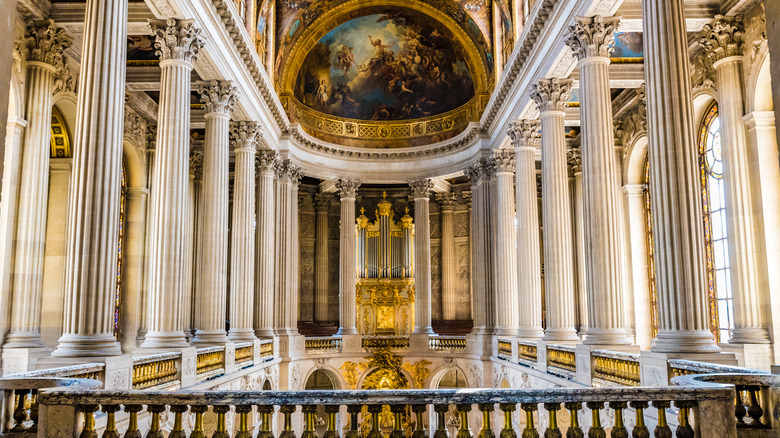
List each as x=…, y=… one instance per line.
x=135, y=164
x=453, y=378
x=759, y=86
x=318, y=375
x=16, y=98
x=267, y=385
x=636, y=156
x=368, y=372
x=702, y=101
x=438, y=376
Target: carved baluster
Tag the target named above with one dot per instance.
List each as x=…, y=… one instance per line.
x=398, y=431
x=197, y=428
x=575, y=431
x=221, y=431
x=755, y=411
x=487, y=430
x=596, y=430
x=287, y=432
x=419, y=425
x=354, y=427
x=375, y=410
x=20, y=413
x=331, y=410
x=89, y=421
x=178, y=428
x=662, y=429
x=552, y=426
x=132, y=422
x=243, y=421
x=465, y=431
x=154, y=428
x=308, y=421
x=739, y=408
x=684, y=429
x=619, y=429
x=640, y=429
x=33, y=430
x=530, y=430
x=441, y=421
x=111, y=431
x=508, y=431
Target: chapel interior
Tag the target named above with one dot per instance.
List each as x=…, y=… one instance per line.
x=387, y=218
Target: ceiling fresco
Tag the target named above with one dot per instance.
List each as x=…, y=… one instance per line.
x=394, y=66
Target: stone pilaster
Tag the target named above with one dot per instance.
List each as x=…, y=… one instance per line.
x=178, y=43
x=44, y=45
x=264, y=245
x=723, y=42
x=321, y=281
x=421, y=190
x=550, y=96
x=448, y=259
x=590, y=39
x=674, y=183
x=347, y=258
x=506, y=309
x=245, y=137
x=524, y=135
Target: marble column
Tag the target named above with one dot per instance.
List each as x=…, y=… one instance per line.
x=421, y=190
x=347, y=258
x=286, y=314
x=242, y=233
x=574, y=161
x=643, y=316
x=44, y=45
x=189, y=269
x=479, y=247
x=321, y=281
x=675, y=183
x=449, y=296
x=550, y=96
x=506, y=308
x=523, y=134
x=219, y=98
x=264, y=245
x=149, y=235
x=723, y=43
x=179, y=42
x=590, y=39
x=132, y=267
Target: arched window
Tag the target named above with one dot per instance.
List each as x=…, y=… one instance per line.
x=120, y=252
x=650, y=252
x=715, y=232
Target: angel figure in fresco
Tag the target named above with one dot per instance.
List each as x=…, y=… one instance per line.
x=346, y=58
x=379, y=48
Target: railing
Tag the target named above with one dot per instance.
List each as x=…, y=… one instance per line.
x=527, y=351
x=447, y=343
x=382, y=342
x=505, y=349
x=156, y=371
x=561, y=356
x=620, y=368
x=704, y=403
x=94, y=371
x=681, y=367
x=323, y=344
x=245, y=354
x=210, y=363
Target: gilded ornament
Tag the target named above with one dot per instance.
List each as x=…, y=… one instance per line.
x=419, y=371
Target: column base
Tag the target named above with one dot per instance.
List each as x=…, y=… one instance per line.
x=209, y=337
x=530, y=333
x=165, y=340
x=265, y=333
x=755, y=356
x=427, y=330
x=241, y=335
x=687, y=341
x=607, y=337
x=346, y=331
x=23, y=340
x=74, y=345
x=561, y=335
x=750, y=335
x=506, y=331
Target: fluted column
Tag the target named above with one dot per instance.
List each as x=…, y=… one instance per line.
x=643, y=316
x=244, y=137
x=550, y=96
x=449, y=296
x=675, y=183
x=286, y=310
x=590, y=40
x=347, y=258
x=44, y=44
x=189, y=268
x=422, y=256
x=529, y=283
x=479, y=247
x=219, y=98
x=723, y=41
x=507, y=310
x=179, y=42
x=321, y=280
x=264, y=245
x=574, y=161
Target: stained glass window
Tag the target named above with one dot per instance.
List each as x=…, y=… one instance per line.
x=650, y=252
x=716, y=235
x=120, y=253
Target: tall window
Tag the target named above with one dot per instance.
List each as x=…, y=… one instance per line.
x=716, y=237
x=120, y=253
x=650, y=252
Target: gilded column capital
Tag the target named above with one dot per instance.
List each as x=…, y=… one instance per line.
x=592, y=36
x=574, y=161
x=347, y=188
x=176, y=40
x=196, y=164
x=421, y=188
x=265, y=162
x=551, y=94
x=503, y=160
x=322, y=201
x=245, y=135
x=723, y=38
x=523, y=133
x=218, y=96
x=46, y=43
x=447, y=201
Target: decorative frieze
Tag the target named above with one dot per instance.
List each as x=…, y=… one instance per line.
x=176, y=40
x=592, y=36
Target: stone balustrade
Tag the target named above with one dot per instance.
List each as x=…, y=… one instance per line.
x=323, y=344
x=447, y=343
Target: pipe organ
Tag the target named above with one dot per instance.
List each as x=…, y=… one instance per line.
x=385, y=284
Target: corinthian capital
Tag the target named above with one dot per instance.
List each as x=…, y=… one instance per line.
x=176, y=39
x=421, y=188
x=219, y=96
x=347, y=188
x=523, y=132
x=592, y=36
x=723, y=38
x=266, y=162
x=196, y=164
x=322, y=201
x=503, y=160
x=551, y=94
x=44, y=42
x=574, y=160
x=447, y=201
x=244, y=135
